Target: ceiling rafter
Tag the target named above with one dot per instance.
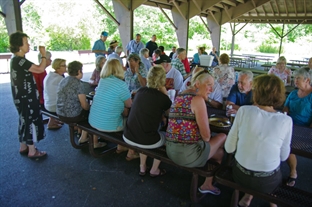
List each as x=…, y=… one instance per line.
x=196, y=5
x=277, y=8
x=227, y=12
x=305, y=7
x=213, y=16
x=229, y=2
x=270, y=3
x=286, y=7
x=295, y=7
x=178, y=8
x=241, y=1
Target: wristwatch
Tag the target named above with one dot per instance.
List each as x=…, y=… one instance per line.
x=209, y=100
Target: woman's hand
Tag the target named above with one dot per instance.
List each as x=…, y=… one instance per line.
x=42, y=50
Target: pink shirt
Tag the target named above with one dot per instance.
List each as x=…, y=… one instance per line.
x=282, y=75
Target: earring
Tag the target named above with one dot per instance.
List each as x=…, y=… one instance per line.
x=196, y=90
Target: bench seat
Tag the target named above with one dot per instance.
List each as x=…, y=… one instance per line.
x=283, y=195
x=159, y=153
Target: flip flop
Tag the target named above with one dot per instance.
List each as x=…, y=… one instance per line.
x=290, y=180
x=161, y=172
x=134, y=156
x=99, y=145
x=216, y=191
x=38, y=154
x=24, y=151
x=80, y=141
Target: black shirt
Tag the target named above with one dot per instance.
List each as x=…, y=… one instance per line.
x=151, y=46
x=145, y=116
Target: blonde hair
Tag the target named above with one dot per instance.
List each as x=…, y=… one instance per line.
x=201, y=75
x=281, y=59
x=156, y=77
x=56, y=64
x=112, y=67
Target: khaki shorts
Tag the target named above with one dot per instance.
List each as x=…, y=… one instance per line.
x=188, y=155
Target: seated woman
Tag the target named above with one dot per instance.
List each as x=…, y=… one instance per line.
x=156, y=54
x=142, y=127
x=71, y=104
x=144, y=55
x=260, y=138
x=200, y=51
x=50, y=84
x=111, y=104
x=95, y=77
x=189, y=141
x=112, y=45
x=281, y=71
x=135, y=75
x=299, y=107
x=224, y=75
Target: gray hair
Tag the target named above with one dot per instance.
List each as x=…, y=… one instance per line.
x=47, y=55
x=118, y=49
x=180, y=50
x=248, y=73
x=98, y=61
x=302, y=72
x=142, y=52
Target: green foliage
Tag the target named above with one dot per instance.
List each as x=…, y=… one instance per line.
x=4, y=42
x=267, y=47
x=228, y=45
x=4, y=37
x=63, y=39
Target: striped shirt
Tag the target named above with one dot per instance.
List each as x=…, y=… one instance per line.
x=108, y=104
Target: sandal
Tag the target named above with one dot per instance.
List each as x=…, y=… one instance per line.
x=38, y=154
x=161, y=172
x=24, y=151
x=133, y=156
x=99, y=145
x=144, y=173
x=123, y=149
x=290, y=181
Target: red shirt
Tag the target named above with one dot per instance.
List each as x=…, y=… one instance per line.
x=39, y=82
x=186, y=65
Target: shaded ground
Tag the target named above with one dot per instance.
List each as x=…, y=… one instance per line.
x=70, y=177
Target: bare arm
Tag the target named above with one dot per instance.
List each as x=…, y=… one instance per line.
x=83, y=102
x=198, y=107
x=128, y=104
x=41, y=67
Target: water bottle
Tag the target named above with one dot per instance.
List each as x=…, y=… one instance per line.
x=228, y=107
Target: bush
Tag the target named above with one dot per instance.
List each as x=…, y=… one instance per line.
x=4, y=42
x=228, y=45
x=269, y=48
x=64, y=39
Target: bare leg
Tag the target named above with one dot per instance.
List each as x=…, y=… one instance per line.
x=143, y=158
x=273, y=205
x=246, y=199
x=155, y=168
x=96, y=143
x=23, y=146
x=292, y=163
x=216, y=153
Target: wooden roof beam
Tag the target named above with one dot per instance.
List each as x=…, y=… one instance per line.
x=2, y=14
x=178, y=8
x=272, y=8
x=305, y=7
x=229, y=2
x=241, y=1
x=107, y=12
x=286, y=7
x=196, y=5
x=213, y=16
x=295, y=7
x=170, y=21
x=277, y=8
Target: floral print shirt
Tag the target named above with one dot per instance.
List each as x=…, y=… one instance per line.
x=225, y=76
x=182, y=126
x=132, y=80
x=177, y=64
x=282, y=75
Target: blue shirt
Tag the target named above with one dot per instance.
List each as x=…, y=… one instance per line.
x=239, y=98
x=135, y=47
x=99, y=45
x=300, y=109
x=196, y=58
x=115, y=56
x=108, y=104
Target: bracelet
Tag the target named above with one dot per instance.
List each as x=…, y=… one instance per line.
x=43, y=57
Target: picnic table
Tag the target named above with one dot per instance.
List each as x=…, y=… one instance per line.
x=267, y=66
x=255, y=71
x=301, y=142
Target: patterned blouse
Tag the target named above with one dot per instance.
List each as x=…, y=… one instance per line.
x=182, y=126
x=282, y=75
x=225, y=76
x=132, y=80
x=177, y=64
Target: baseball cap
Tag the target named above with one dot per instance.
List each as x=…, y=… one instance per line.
x=162, y=59
x=105, y=34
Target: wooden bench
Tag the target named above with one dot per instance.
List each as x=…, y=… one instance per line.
x=283, y=195
x=160, y=153
x=80, y=52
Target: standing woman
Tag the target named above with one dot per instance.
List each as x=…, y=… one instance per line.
x=25, y=94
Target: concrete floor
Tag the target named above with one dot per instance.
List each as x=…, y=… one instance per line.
x=70, y=177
